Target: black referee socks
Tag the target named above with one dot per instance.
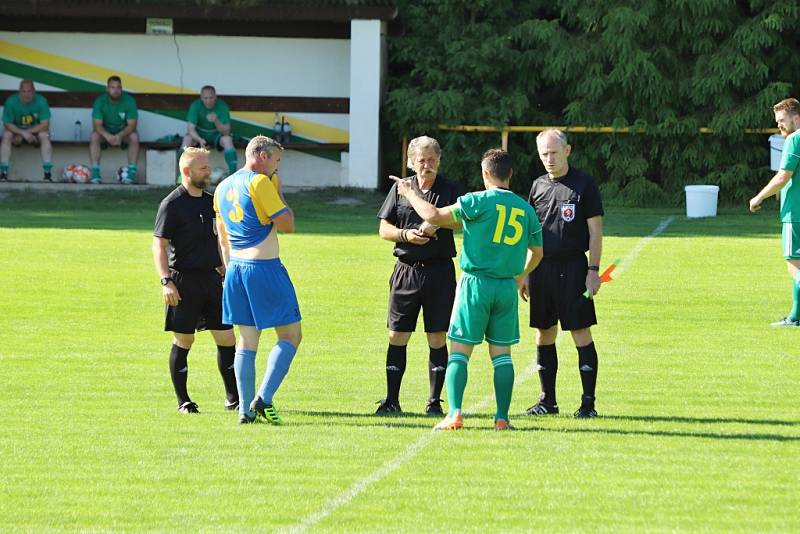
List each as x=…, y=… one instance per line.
x=547, y=360
x=587, y=363
x=437, y=366
x=395, y=367
x=179, y=371
x=225, y=356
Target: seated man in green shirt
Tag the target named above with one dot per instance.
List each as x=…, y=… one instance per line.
x=114, y=118
x=208, y=125
x=26, y=117
x=502, y=245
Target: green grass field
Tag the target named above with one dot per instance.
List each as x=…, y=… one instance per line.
x=699, y=426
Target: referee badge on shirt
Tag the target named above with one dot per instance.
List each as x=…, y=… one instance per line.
x=568, y=212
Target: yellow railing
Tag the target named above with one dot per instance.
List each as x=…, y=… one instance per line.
x=506, y=130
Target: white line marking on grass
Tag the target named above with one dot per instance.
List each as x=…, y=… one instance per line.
x=643, y=242
x=392, y=465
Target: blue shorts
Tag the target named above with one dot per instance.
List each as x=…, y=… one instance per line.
x=258, y=293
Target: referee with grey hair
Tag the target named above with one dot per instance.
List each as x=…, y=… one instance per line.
x=570, y=209
x=424, y=277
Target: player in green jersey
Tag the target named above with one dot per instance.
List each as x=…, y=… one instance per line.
x=26, y=117
x=787, y=116
x=208, y=125
x=502, y=244
x=114, y=119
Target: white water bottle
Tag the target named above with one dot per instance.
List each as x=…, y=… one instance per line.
x=76, y=132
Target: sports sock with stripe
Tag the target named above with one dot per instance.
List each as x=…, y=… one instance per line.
x=396, y=356
x=225, y=357
x=179, y=371
x=456, y=380
x=230, y=159
x=587, y=363
x=132, y=168
x=437, y=365
x=794, y=315
x=244, y=365
x=280, y=359
x=547, y=360
x=503, y=384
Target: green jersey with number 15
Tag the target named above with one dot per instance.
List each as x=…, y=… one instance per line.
x=499, y=226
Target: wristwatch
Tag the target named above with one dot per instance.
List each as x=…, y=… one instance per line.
x=166, y=280
x=593, y=268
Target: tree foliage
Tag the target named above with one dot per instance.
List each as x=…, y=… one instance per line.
x=667, y=67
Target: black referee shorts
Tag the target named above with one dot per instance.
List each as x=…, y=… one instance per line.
x=430, y=286
x=556, y=293
x=200, y=307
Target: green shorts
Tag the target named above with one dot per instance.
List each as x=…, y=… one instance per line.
x=114, y=131
x=790, y=236
x=485, y=307
x=211, y=137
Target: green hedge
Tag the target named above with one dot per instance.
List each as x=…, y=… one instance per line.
x=668, y=67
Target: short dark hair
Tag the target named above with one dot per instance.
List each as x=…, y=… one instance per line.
x=208, y=88
x=498, y=162
x=789, y=104
x=114, y=78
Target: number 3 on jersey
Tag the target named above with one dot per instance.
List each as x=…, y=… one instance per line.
x=237, y=213
x=499, y=230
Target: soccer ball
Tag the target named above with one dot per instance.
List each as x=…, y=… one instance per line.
x=218, y=174
x=122, y=175
x=76, y=173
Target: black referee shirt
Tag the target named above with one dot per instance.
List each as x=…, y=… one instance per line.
x=563, y=206
x=398, y=211
x=188, y=223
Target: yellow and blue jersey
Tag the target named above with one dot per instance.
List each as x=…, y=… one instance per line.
x=248, y=202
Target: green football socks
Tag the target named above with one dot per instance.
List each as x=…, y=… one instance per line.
x=132, y=168
x=503, y=384
x=456, y=379
x=794, y=315
x=230, y=159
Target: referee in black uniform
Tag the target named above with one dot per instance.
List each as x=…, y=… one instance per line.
x=570, y=209
x=423, y=277
x=188, y=262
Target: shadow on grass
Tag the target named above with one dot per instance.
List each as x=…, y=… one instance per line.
x=703, y=420
x=665, y=433
x=423, y=421
x=335, y=211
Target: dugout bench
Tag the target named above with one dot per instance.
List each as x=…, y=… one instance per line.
x=158, y=160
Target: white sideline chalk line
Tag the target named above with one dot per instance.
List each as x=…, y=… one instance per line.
x=392, y=465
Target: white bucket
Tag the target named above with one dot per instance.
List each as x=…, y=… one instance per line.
x=775, y=151
x=701, y=200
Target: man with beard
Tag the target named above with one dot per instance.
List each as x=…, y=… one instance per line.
x=188, y=261
x=424, y=277
x=114, y=120
x=787, y=116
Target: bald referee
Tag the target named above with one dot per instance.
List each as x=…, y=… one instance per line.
x=569, y=206
x=188, y=262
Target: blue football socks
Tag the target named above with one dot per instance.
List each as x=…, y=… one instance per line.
x=280, y=358
x=244, y=365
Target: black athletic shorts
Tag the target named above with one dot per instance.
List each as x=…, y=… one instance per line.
x=427, y=285
x=200, y=307
x=556, y=293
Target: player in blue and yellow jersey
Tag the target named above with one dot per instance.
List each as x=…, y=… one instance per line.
x=787, y=117
x=257, y=293
x=502, y=244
